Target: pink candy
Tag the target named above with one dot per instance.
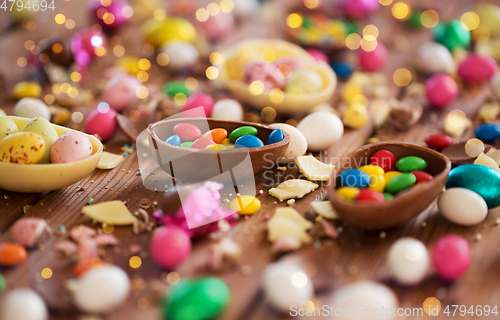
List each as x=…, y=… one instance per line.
x=373, y=60
x=218, y=26
x=120, y=10
x=200, y=100
x=187, y=131
x=101, y=121
x=169, y=247
x=441, y=90
x=265, y=72
x=477, y=68
x=27, y=231
x=120, y=91
x=71, y=146
x=318, y=55
x=202, y=143
x=451, y=257
x=360, y=8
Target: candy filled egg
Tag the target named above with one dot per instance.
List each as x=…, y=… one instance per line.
x=44, y=129
x=71, y=146
x=7, y=126
x=30, y=108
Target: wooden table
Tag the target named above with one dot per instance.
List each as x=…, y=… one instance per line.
x=356, y=255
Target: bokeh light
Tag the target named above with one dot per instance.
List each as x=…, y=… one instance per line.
x=212, y=73
x=353, y=41
x=401, y=11
x=162, y=59
x=135, y=262
x=47, y=273
x=429, y=18
x=256, y=88
x=470, y=20
x=402, y=77
x=294, y=20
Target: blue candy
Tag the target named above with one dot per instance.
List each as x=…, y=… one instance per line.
x=488, y=132
x=275, y=136
x=342, y=69
x=482, y=180
x=354, y=178
x=173, y=140
x=248, y=141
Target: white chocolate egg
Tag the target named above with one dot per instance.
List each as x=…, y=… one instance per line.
x=31, y=108
x=321, y=129
x=463, y=206
x=433, y=57
x=227, y=109
x=298, y=142
x=23, y=304
x=182, y=54
x=408, y=261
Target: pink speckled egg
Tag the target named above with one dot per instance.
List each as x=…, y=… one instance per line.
x=477, y=68
x=169, y=247
x=71, y=146
x=101, y=121
x=373, y=60
x=218, y=26
x=200, y=100
x=267, y=73
x=360, y=8
x=318, y=55
x=120, y=91
x=441, y=90
x=451, y=257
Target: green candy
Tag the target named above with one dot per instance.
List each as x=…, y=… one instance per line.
x=3, y=285
x=400, y=183
x=196, y=299
x=452, y=35
x=388, y=196
x=242, y=131
x=415, y=20
x=411, y=163
x=174, y=87
x=186, y=144
x=351, y=27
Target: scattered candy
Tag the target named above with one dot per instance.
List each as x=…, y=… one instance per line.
x=187, y=131
x=411, y=163
x=356, y=115
x=120, y=91
x=70, y=147
x=342, y=69
x=169, y=247
x=314, y=169
x=321, y=129
x=441, y=90
x=200, y=100
x=248, y=141
x=477, y=68
x=433, y=58
x=3, y=284
x=360, y=8
x=7, y=126
x=298, y=142
x=245, y=204
x=22, y=147
x=488, y=132
x=109, y=161
x=452, y=35
x=227, y=109
x=462, y=206
x=23, y=304
x=438, y=141
x=173, y=88
x=408, y=261
x=451, y=257
x=182, y=54
x=173, y=28
x=31, y=108
x=110, y=212
x=12, y=254
x=101, y=121
x=293, y=188
x=27, y=231
x=374, y=60
x=26, y=89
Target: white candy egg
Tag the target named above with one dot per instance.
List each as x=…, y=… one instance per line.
x=31, y=108
x=182, y=54
x=321, y=129
x=433, y=57
x=408, y=261
x=227, y=109
x=101, y=289
x=298, y=142
x=23, y=304
x=463, y=206
x=369, y=299
x=286, y=284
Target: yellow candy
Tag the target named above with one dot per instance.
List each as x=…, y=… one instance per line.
x=129, y=64
x=22, y=148
x=216, y=147
x=372, y=170
x=355, y=116
x=489, y=15
x=245, y=204
x=391, y=174
x=351, y=90
x=226, y=141
x=338, y=29
x=377, y=179
x=159, y=32
x=26, y=89
x=348, y=193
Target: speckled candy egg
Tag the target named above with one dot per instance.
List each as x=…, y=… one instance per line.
x=22, y=148
x=23, y=304
x=477, y=68
x=304, y=81
x=463, y=206
x=44, y=129
x=265, y=72
x=182, y=54
x=120, y=91
x=286, y=284
x=200, y=100
x=30, y=108
x=7, y=126
x=101, y=121
x=169, y=247
x=433, y=57
x=71, y=146
x=368, y=294
x=408, y=261
x=321, y=129
x=218, y=26
x=298, y=142
x=227, y=109
x=101, y=289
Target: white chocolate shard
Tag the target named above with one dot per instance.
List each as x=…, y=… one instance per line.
x=280, y=227
x=109, y=160
x=314, y=169
x=325, y=209
x=293, y=188
x=293, y=215
x=486, y=161
x=111, y=212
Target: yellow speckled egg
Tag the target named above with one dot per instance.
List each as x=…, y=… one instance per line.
x=44, y=129
x=26, y=89
x=22, y=147
x=174, y=28
x=304, y=81
x=7, y=126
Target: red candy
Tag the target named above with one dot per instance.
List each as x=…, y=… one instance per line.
x=439, y=141
x=422, y=176
x=451, y=257
x=360, y=8
x=187, y=131
x=441, y=90
x=318, y=55
x=369, y=196
x=373, y=60
x=477, y=68
x=169, y=247
x=384, y=159
x=101, y=121
x=202, y=143
x=200, y=100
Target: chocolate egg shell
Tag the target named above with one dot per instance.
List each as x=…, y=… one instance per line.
x=457, y=155
x=58, y=51
x=405, y=206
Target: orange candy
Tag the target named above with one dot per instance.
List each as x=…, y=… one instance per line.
x=82, y=267
x=12, y=254
x=216, y=135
